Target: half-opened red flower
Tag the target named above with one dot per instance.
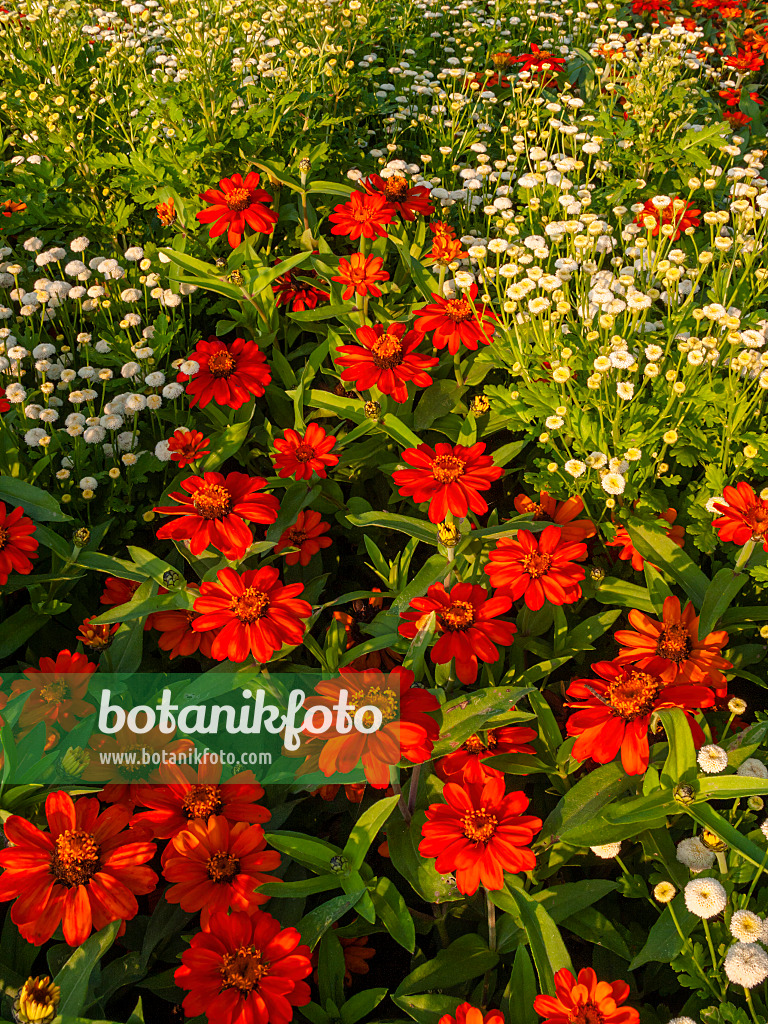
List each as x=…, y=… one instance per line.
x=480, y=832
x=407, y=200
x=217, y=867
x=296, y=288
x=360, y=275
x=407, y=730
x=176, y=633
x=56, y=690
x=742, y=516
x=680, y=214
x=364, y=214
x=628, y=552
x=302, y=456
x=96, y=636
x=187, y=446
x=563, y=513
x=467, y=764
x=466, y=1013
x=253, y=614
x=456, y=322
x=10, y=206
x=245, y=970
x=538, y=570
x=675, y=640
x=184, y=795
x=306, y=534
x=614, y=708
x=213, y=512
x=236, y=203
x=230, y=373
x=386, y=358
x=83, y=873
x=467, y=625
x=586, y=1000
x=117, y=591
x=17, y=545
x=448, y=476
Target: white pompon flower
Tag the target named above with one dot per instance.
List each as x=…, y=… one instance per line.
x=682, y=1020
x=746, y=963
x=162, y=452
x=752, y=769
x=705, y=897
x=746, y=926
x=694, y=855
x=613, y=483
x=712, y=759
x=88, y=483
x=608, y=851
x=574, y=467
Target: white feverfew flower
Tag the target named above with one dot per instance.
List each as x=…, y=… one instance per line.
x=613, y=483
x=34, y=436
x=154, y=402
x=135, y=403
x=172, y=391
x=189, y=367
x=694, y=855
x=134, y=254
x=575, y=468
x=746, y=963
x=705, y=897
x=712, y=759
x=752, y=769
x=94, y=435
x=596, y=460
x=33, y=244
x=79, y=244
x=625, y=390
x=682, y=1020
x=607, y=851
x=129, y=370
x=162, y=452
x=746, y=926
x=88, y=483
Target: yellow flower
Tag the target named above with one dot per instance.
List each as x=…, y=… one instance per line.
x=37, y=1002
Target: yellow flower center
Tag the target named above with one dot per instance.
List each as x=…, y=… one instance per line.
x=222, y=867
x=243, y=970
x=201, y=802
x=387, y=351
x=385, y=700
x=480, y=825
x=447, y=468
x=4, y=534
x=459, y=310
x=674, y=643
x=238, y=199
x=75, y=858
x=396, y=188
x=458, y=616
x=251, y=605
x=633, y=693
x=212, y=501
x=54, y=691
x=536, y=565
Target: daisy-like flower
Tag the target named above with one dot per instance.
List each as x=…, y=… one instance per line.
x=406, y=200
x=712, y=759
x=694, y=855
x=17, y=545
x=466, y=1013
x=679, y=214
x=562, y=513
x=363, y=215
x=253, y=614
x=97, y=637
x=229, y=374
x=585, y=1000
x=629, y=554
x=746, y=926
x=742, y=516
x=37, y=1002
x=467, y=625
x=83, y=873
x=675, y=640
x=446, y=247
x=187, y=446
x=166, y=212
x=56, y=690
x=360, y=275
x=746, y=964
x=302, y=456
x=176, y=633
x=480, y=832
x=467, y=764
x=218, y=867
x=538, y=570
x=386, y=358
x=456, y=322
x=213, y=510
x=236, y=203
x=245, y=970
x=664, y=892
x=614, y=708
x=450, y=477
x=705, y=897
x=306, y=534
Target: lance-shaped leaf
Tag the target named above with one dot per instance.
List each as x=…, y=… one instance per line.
x=546, y=942
x=366, y=828
x=661, y=551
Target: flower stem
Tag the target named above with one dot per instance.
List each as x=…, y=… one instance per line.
x=750, y=1004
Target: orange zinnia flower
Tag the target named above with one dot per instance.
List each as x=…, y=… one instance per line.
x=56, y=691
x=448, y=476
x=8, y=207
x=97, y=637
x=237, y=202
x=396, y=190
x=456, y=322
x=742, y=516
x=218, y=867
x=83, y=873
x=586, y=1001
x=622, y=540
x=466, y=1013
x=187, y=446
x=166, y=212
x=386, y=358
x=360, y=273
x=176, y=633
x=302, y=456
x=467, y=764
x=563, y=513
x=17, y=545
x=480, y=832
x=364, y=214
x=213, y=512
x=306, y=534
x=294, y=290
x=253, y=613
x=675, y=640
x=230, y=373
x=538, y=570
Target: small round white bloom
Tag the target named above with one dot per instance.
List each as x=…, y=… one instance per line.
x=613, y=483
x=134, y=254
x=88, y=483
x=712, y=759
x=746, y=926
x=694, y=855
x=705, y=897
x=189, y=367
x=155, y=379
x=682, y=1020
x=746, y=963
x=172, y=391
x=752, y=769
x=162, y=452
x=79, y=244
x=94, y=435
x=607, y=851
x=129, y=369
x=575, y=468
x=34, y=436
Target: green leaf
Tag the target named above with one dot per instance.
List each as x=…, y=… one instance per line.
x=38, y=504
x=438, y=400
x=470, y=713
x=680, y=765
x=418, y=871
x=521, y=990
x=314, y=853
x=710, y=819
x=119, y=567
x=429, y=1008
x=579, y=638
x=594, y=927
x=366, y=828
x=626, y=595
x=330, y=969
x=719, y=596
x=433, y=569
x=317, y=922
x=19, y=627
x=624, y=819
x=729, y=787
x=584, y=801
x=394, y=914
x=664, y=942
x=301, y=889
x=361, y=1004
x=547, y=946
x=467, y=957
x=424, y=531
x=74, y=976
x=661, y=551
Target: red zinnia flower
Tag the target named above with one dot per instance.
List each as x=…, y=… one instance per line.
x=56, y=689
x=364, y=214
x=742, y=516
x=615, y=709
x=83, y=873
x=466, y=1013
x=467, y=625
x=479, y=833
x=386, y=358
x=360, y=273
x=407, y=731
x=239, y=201
x=185, y=795
x=456, y=322
x=230, y=373
x=586, y=1000
x=301, y=294
x=540, y=570
x=448, y=476
x=176, y=633
x=117, y=591
x=540, y=61
x=353, y=791
x=745, y=60
x=306, y=534
x=217, y=868
x=679, y=214
x=651, y=7
x=675, y=639
x=253, y=613
x=187, y=446
x=245, y=970
x=622, y=540
x=445, y=248
x=5, y=405
x=563, y=513
x=467, y=764
x=302, y=456
x=9, y=206
x=214, y=510
x=97, y=637
x=17, y=545
x=395, y=190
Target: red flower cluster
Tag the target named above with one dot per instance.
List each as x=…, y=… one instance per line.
x=679, y=215
x=365, y=214
x=467, y=764
x=585, y=999
x=742, y=516
x=298, y=291
x=187, y=446
x=17, y=545
x=404, y=199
